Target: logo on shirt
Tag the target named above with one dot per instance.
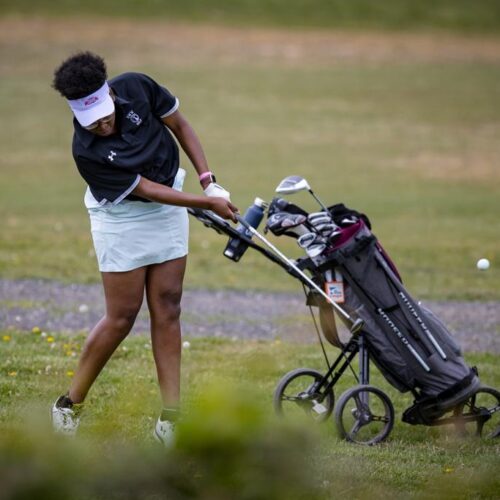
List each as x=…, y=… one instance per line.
x=111, y=156
x=134, y=117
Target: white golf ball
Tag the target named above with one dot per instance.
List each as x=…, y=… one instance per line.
x=483, y=264
x=186, y=344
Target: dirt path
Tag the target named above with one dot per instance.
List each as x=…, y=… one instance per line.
x=56, y=307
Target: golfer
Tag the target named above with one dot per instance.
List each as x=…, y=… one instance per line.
x=124, y=149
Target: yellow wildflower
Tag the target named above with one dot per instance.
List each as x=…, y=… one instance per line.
x=12, y=374
x=70, y=373
x=36, y=330
x=50, y=339
x=6, y=338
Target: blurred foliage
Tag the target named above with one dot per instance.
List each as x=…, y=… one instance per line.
x=226, y=449
x=454, y=15
x=229, y=444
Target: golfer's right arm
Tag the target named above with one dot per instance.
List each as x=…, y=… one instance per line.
x=164, y=194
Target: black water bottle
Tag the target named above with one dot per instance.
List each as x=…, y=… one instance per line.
x=236, y=247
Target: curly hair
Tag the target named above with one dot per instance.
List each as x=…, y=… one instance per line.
x=80, y=75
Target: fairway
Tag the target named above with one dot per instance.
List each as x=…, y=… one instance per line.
x=401, y=126
x=229, y=432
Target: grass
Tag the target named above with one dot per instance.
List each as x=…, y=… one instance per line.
x=227, y=397
x=451, y=15
x=402, y=127
x=409, y=140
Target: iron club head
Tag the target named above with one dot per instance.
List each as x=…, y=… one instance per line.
x=315, y=249
x=313, y=216
x=306, y=240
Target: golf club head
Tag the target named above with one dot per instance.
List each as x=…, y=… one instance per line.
x=281, y=223
x=292, y=184
x=306, y=239
x=326, y=229
x=320, y=221
x=315, y=249
x=313, y=216
x=349, y=220
x=318, y=224
x=333, y=235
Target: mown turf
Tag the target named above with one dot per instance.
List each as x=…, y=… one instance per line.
x=451, y=15
x=409, y=137
x=227, y=400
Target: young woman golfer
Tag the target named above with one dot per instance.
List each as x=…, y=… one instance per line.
x=124, y=150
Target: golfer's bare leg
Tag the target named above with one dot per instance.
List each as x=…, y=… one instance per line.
x=124, y=293
x=163, y=292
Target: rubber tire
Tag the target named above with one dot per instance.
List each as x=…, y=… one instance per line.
x=342, y=402
x=460, y=410
x=328, y=398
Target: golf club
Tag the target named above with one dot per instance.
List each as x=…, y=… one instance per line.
x=319, y=218
x=356, y=324
x=315, y=249
x=306, y=240
x=282, y=222
x=323, y=224
x=293, y=184
x=326, y=229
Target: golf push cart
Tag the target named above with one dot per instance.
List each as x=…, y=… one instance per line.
x=346, y=272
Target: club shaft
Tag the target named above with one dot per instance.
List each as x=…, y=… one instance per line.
x=296, y=269
x=321, y=204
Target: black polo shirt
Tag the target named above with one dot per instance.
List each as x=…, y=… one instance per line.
x=112, y=165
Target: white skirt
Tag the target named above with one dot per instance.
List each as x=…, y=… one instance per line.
x=134, y=234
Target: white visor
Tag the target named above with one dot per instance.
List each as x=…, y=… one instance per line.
x=93, y=107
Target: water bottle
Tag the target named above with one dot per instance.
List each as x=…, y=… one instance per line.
x=236, y=247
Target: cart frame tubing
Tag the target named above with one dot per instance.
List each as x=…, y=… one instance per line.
x=364, y=361
x=353, y=347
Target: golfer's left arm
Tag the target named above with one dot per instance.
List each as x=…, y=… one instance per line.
x=189, y=142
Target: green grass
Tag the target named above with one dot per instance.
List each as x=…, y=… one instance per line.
x=452, y=15
x=411, y=141
x=228, y=440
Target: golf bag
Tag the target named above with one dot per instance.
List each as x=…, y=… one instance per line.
x=410, y=345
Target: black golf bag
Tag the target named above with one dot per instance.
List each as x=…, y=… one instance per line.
x=410, y=345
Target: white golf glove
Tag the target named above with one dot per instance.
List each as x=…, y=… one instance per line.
x=214, y=189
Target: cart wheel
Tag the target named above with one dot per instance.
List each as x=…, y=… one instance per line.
x=296, y=396
x=364, y=415
x=480, y=414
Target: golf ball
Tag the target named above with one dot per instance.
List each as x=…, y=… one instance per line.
x=186, y=344
x=483, y=264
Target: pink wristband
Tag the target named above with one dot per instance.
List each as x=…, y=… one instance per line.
x=204, y=175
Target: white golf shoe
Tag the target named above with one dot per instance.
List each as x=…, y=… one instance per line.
x=164, y=433
x=64, y=417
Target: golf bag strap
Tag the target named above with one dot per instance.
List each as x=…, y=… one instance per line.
x=326, y=318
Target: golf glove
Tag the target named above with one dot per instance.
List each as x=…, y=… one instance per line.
x=214, y=189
